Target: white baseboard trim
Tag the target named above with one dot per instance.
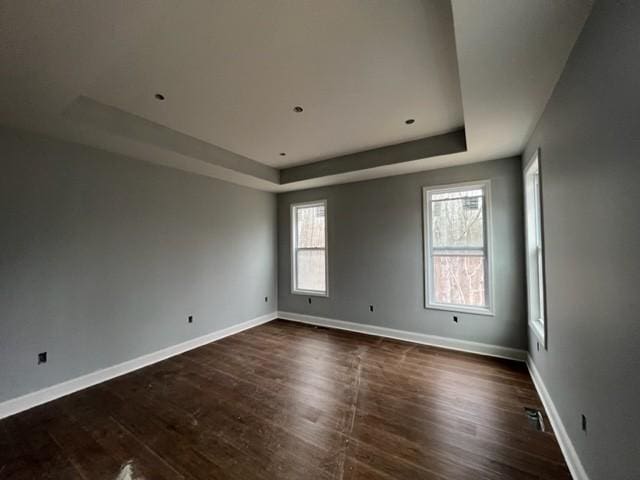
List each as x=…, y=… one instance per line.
x=433, y=340
x=30, y=400
x=570, y=455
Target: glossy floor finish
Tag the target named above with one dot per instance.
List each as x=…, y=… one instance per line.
x=285, y=400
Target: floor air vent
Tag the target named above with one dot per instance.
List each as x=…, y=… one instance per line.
x=535, y=417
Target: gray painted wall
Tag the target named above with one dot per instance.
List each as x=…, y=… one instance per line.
x=589, y=137
x=447, y=143
x=102, y=258
x=376, y=255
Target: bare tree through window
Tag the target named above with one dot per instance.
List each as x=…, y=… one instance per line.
x=457, y=246
x=309, y=247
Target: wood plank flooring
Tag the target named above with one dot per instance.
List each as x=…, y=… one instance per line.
x=290, y=401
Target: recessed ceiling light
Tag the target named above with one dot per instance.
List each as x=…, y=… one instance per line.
x=298, y=109
x=410, y=121
x=282, y=154
x=159, y=96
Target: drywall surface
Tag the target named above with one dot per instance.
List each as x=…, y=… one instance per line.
x=589, y=136
x=447, y=143
x=376, y=255
x=103, y=258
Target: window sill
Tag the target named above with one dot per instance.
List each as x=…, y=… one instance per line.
x=461, y=309
x=310, y=293
x=538, y=328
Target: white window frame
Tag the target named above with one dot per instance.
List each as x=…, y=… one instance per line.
x=294, y=249
x=533, y=228
x=427, y=192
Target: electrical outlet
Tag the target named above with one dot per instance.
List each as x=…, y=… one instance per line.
x=190, y=319
x=371, y=308
x=584, y=422
x=42, y=358
x=266, y=299
x=455, y=318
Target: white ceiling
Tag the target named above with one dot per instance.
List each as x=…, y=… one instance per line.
x=233, y=70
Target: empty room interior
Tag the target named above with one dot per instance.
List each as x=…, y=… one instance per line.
x=319, y=239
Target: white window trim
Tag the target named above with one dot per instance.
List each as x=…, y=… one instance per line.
x=488, y=231
x=294, y=290
x=538, y=325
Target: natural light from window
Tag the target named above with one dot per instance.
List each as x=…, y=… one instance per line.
x=456, y=248
x=535, y=266
x=309, y=252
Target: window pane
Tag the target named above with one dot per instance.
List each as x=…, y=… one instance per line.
x=457, y=219
x=459, y=280
x=457, y=194
x=310, y=223
x=311, y=270
x=535, y=274
x=536, y=207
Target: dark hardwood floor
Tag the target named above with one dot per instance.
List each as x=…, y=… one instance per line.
x=285, y=400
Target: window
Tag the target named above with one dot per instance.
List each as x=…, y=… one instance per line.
x=309, y=248
x=457, y=253
x=535, y=265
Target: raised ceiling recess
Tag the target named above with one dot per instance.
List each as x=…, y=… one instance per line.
x=283, y=95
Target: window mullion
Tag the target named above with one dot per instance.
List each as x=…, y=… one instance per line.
x=458, y=277
x=309, y=220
